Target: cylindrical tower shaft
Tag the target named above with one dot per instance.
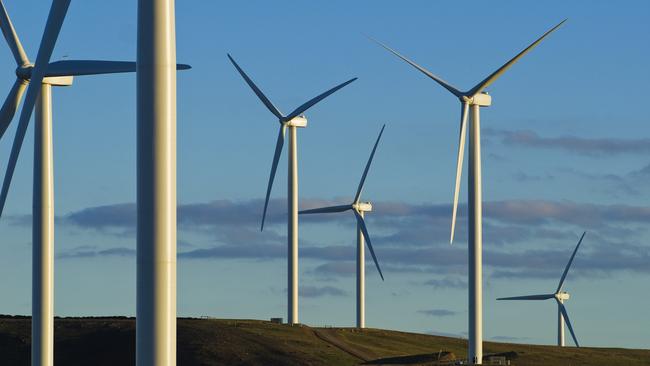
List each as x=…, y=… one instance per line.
x=156, y=184
x=361, y=277
x=292, y=227
x=43, y=234
x=475, y=353
x=560, y=326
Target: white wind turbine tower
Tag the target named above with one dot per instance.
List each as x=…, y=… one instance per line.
x=156, y=184
x=292, y=121
x=474, y=98
x=40, y=77
x=359, y=209
x=559, y=296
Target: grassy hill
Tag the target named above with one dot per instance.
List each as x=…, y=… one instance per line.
x=111, y=341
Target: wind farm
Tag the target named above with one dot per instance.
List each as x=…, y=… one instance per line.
x=163, y=248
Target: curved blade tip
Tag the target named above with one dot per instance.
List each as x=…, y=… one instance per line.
x=560, y=24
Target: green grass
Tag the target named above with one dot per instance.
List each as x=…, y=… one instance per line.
x=111, y=341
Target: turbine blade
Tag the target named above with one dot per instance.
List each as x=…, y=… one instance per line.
x=568, y=265
x=274, y=167
x=568, y=322
x=330, y=209
x=459, y=165
x=364, y=230
x=52, y=28
x=12, y=37
x=310, y=103
x=426, y=72
x=94, y=67
x=11, y=104
x=495, y=75
x=529, y=297
x=365, y=171
x=257, y=90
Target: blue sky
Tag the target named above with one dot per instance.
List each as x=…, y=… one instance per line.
x=565, y=149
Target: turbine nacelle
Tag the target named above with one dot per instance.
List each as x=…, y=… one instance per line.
x=482, y=99
x=562, y=296
x=298, y=121
x=58, y=80
x=362, y=206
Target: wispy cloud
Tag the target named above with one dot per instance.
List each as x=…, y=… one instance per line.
x=632, y=183
x=446, y=282
x=315, y=291
x=253, y=251
x=227, y=214
x=520, y=176
x=522, y=238
x=91, y=252
x=338, y=268
x=579, y=145
x=119, y=219
x=438, y=312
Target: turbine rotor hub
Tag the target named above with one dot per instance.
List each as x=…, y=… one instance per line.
x=362, y=206
x=24, y=72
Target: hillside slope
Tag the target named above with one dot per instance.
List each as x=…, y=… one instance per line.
x=111, y=341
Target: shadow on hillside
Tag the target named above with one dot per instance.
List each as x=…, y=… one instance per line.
x=112, y=344
x=15, y=350
x=414, y=359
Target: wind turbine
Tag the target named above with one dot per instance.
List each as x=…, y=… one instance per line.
x=292, y=121
x=475, y=98
x=559, y=296
x=40, y=77
x=359, y=209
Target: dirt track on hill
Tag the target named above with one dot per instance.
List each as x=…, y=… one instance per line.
x=329, y=336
